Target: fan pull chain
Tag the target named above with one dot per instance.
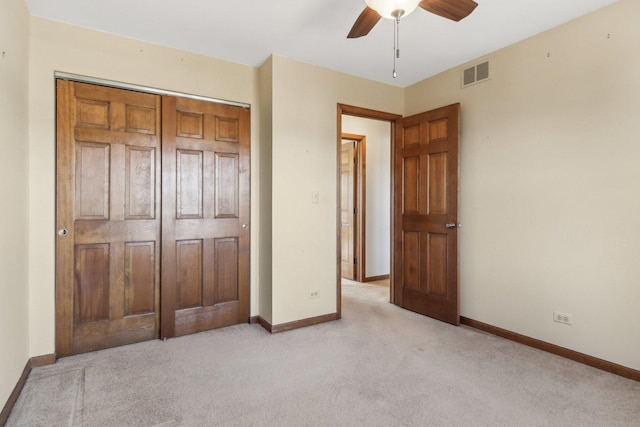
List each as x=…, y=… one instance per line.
x=396, y=43
x=396, y=37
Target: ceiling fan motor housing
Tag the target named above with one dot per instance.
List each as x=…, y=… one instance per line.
x=393, y=9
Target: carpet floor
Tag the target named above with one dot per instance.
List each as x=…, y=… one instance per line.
x=378, y=366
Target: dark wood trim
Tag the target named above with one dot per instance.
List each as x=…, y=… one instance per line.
x=44, y=360
x=361, y=202
x=338, y=219
x=375, y=278
x=260, y=321
x=283, y=327
x=396, y=123
x=47, y=359
x=592, y=361
x=352, y=136
x=13, y=397
x=395, y=268
x=366, y=113
x=63, y=247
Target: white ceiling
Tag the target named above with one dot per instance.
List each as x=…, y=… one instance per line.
x=314, y=31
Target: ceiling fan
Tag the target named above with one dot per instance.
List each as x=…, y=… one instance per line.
x=395, y=9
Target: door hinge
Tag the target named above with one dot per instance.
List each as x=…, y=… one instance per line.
x=355, y=260
x=355, y=210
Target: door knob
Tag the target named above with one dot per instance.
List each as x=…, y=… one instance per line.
x=63, y=232
x=450, y=225
x=245, y=226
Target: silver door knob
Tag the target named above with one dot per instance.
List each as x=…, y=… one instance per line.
x=245, y=226
x=63, y=232
x=450, y=225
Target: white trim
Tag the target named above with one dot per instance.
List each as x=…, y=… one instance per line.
x=139, y=88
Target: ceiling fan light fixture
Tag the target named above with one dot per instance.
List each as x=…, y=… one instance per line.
x=389, y=8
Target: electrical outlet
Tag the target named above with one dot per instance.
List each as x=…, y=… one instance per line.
x=562, y=317
x=313, y=294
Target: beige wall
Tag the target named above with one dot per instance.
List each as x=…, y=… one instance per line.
x=265, y=192
x=550, y=184
x=14, y=228
x=304, y=160
x=549, y=176
x=60, y=47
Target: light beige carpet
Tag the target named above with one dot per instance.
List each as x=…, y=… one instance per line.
x=378, y=366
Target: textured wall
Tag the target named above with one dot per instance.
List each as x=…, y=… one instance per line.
x=305, y=102
x=550, y=184
x=14, y=179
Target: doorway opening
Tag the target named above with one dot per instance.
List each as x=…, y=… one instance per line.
x=365, y=141
x=424, y=195
x=353, y=205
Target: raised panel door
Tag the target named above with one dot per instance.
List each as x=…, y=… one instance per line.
x=112, y=199
x=205, y=224
x=108, y=187
x=426, y=208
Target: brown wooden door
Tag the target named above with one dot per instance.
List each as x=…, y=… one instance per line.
x=426, y=207
x=205, y=216
x=347, y=205
x=108, y=217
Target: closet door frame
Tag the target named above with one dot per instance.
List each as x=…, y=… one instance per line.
x=64, y=332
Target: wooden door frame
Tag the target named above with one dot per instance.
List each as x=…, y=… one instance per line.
x=395, y=121
x=360, y=192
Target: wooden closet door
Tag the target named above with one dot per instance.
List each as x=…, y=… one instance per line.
x=107, y=216
x=205, y=216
